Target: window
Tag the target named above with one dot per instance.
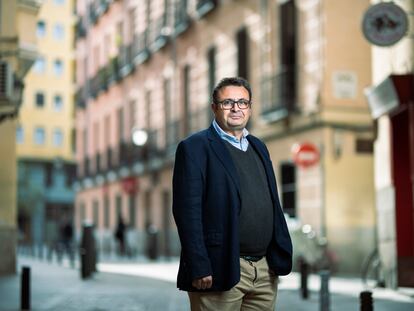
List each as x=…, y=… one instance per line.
x=58, y=32
x=147, y=208
x=40, y=65
x=57, y=103
x=19, y=134
x=59, y=2
x=132, y=112
x=121, y=133
x=211, y=58
x=148, y=100
x=186, y=95
x=73, y=141
x=41, y=29
x=288, y=188
x=58, y=67
x=132, y=210
x=106, y=211
x=39, y=136
x=288, y=51
x=48, y=174
x=243, y=53
x=40, y=99
x=96, y=213
x=57, y=138
x=118, y=205
x=119, y=39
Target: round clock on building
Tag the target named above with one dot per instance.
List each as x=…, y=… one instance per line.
x=384, y=24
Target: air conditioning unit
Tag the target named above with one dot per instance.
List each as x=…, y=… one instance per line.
x=6, y=80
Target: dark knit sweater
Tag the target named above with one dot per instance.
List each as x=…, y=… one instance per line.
x=256, y=215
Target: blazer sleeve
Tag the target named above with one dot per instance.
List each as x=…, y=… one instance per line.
x=187, y=211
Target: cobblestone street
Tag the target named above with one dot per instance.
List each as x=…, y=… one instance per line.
x=128, y=285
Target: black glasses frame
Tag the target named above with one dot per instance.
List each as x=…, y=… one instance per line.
x=225, y=103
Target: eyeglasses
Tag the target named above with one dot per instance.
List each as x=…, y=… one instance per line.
x=229, y=103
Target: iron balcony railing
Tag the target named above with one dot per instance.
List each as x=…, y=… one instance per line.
x=81, y=97
x=98, y=163
x=279, y=91
x=113, y=70
x=157, y=33
x=181, y=17
x=86, y=167
x=205, y=6
x=109, y=159
x=80, y=28
x=140, y=49
x=125, y=59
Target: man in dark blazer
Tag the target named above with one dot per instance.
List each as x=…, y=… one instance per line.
x=234, y=237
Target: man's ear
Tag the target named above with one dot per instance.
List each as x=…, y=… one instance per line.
x=213, y=107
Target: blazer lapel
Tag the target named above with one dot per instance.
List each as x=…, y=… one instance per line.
x=224, y=156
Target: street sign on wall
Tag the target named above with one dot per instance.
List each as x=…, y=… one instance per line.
x=305, y=154
x=384, y=24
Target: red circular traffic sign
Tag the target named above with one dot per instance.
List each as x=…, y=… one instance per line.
x=305, y=154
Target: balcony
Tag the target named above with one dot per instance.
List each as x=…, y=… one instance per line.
x=93, y=16
x=80, y=29
x=130, y=153
x=154, y=145
x=86, y=167
x=109, y=159
x=279, y=94
x=113, y=69
x=157, y=34
x=101, y=7
x=94, y=86
x=126, y=65
x=140, y=50
x=205, y=6
x=182, y=19
x=98, y=163
x=81, y=97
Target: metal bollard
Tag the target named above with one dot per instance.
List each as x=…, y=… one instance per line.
x=365, y=299
x=324, y=291
x=25, y=289
x=304, y=272
x=87, y=252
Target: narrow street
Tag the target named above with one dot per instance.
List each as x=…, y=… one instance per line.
x=137, y=286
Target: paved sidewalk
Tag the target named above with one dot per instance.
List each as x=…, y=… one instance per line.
x=344, y=291
x=123, y=285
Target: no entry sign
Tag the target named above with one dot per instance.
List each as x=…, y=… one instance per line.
x=305, y=154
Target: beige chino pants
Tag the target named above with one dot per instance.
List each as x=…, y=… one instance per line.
x=256, y=291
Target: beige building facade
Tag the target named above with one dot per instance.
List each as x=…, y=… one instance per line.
x=151, y=65
x=17, y=54
x=391, y=97
x=45, y=131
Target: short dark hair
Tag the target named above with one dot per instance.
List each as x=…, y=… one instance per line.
x=231, y=81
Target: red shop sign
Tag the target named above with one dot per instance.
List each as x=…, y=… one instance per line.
x=305, y=154
x=130, y=185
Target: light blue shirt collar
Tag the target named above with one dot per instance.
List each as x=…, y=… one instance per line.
x=241, y=144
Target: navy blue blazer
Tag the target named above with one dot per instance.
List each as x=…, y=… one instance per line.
x=206, y=207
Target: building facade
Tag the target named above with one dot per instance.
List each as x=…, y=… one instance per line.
x=17, y=54
x=45, y=130
x=391, y=99
x=151, y=65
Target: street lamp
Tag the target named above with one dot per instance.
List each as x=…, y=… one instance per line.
x=139, y=137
